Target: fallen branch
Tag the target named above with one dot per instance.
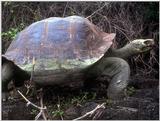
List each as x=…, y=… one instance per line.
x=29, y=102
x=42, y=110
x=34, y=105
x=90, y=113
x=43, y=113
x=65, y=9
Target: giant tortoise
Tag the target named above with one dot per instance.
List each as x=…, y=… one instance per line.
x=66, y=50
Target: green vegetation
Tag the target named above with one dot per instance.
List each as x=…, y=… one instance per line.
x=12, y=32
x=130, y=91
x=108, y=101
x=34, y=112
x=58, y=112
x=83, y=97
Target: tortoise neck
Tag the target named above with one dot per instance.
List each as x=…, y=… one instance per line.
x=123, y=52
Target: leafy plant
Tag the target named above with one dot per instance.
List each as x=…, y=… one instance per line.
x=33, y=111
x=58, y=112
x=130, y=91
x=83, y=97
x=7, y=3
x=12, y=32
x=108, y=101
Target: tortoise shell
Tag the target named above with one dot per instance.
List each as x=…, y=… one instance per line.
x=55, y=43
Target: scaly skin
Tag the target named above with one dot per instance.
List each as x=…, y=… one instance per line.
x=133, y=48
x=114, y=65
x=115, y=68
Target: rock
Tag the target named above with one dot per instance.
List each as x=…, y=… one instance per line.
x=120, y=113
x=89, y=106
x=141, y=83
x=151, y=93
x=78, y=111
x=146, y=109
x=130, y=108
x=72, y=112
x=16, y=111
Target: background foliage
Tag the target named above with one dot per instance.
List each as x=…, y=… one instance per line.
x=129, y=20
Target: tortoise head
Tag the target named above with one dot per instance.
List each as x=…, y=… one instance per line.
x=142, y=45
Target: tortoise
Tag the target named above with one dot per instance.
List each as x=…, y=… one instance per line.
x=66, y=50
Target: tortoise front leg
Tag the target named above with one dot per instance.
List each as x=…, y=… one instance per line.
x=11, y=71
x=7, y=76
x=115, y=68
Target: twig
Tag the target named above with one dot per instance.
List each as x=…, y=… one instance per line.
x=96, y=11
x=39, y=114
x=30, y=103
x=43, y=113
x=65, y=9
x=91, y=112
x=97, y=115
x=34, y=105
x=118, y=28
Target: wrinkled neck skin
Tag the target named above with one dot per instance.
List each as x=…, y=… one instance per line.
x=123, y=52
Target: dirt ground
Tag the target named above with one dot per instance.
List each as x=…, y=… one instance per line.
x=140, y=103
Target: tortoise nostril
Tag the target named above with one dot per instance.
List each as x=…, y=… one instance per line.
x=149, y=42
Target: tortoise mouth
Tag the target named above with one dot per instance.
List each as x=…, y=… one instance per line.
x=149, y=42
x=147, y=48
x=150, y=46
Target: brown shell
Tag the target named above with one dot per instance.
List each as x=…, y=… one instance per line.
x=60, y=39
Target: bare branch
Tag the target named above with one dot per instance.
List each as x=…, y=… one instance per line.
x=42, y=108
x=43, y=113
x=90, y=113
x=96, y=11
x=29, y=102
x=65, y=9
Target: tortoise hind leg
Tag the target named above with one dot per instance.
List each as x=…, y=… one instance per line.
x=115, y=68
